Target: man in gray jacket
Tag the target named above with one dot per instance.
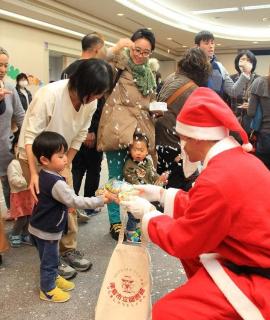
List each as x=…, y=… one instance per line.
x=219, y=80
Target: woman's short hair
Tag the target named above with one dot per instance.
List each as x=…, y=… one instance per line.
x=144, y=34
x=251, y=58
x=93, y=77
x=195, y=66
x=21, y=76
x=4, y=51
x=47, y=143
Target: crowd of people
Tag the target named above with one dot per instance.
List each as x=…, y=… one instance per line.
x=193, y=177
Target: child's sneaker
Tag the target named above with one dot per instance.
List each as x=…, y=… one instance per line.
x=26, y=239
x=64, y=284
x=15, y=241
x=55, y=295
x=133, y=236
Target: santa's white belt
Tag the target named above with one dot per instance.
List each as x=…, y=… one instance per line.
x=240, y=302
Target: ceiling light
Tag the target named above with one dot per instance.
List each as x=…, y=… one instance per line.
x=170, y=39
x=45, y=24
x=265, y=19
x=184, y=46
x=258, y=7
x=216, y=10
x=218, y=44
x=168, y=50
x=255, y=42
x=149, y=28
x=185, y=21
x=120, y=14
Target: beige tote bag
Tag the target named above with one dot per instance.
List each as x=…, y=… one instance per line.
x=126, y=289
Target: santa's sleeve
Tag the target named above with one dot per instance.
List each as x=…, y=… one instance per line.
x=200, y=228
x=175, y=202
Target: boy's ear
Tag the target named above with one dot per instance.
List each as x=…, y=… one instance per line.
x=44, y=161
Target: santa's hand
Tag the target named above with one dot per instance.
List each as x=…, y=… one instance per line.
x=138, y=206
x=150, y=192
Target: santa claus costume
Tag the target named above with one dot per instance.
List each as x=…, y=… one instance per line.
x=227, y=212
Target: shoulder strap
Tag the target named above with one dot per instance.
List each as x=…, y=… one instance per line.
x=117, y=77
x=179, y=92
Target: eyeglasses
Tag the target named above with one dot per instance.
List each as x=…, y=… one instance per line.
x=140, y=52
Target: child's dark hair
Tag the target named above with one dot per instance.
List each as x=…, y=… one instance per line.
x=48, y=143
x=138, y=136
x=15, y=140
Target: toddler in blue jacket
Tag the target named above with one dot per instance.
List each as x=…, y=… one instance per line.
x=49, y=217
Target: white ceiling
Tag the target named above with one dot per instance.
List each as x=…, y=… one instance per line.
x=101, y=15
x=107, y=11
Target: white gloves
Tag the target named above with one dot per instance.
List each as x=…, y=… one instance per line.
x=150, y=192
x=138, y=206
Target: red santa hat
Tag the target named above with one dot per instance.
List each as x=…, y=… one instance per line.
x=205, y=116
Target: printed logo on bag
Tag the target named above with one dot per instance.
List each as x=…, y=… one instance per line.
x=127, y=288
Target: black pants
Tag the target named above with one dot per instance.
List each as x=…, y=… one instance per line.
x=166, y=156
x=87, y=160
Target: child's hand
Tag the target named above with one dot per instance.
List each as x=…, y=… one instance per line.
x=109, y=197
x=177, y=159
x=163, y=179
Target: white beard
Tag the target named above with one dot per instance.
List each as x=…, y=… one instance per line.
x=188, y=167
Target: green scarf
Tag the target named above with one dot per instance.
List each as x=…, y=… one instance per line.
x=142, y=75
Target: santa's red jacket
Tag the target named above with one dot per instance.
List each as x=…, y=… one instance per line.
x=226, y=212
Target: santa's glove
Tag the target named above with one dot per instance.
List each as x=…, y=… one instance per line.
x=151, y=192
x=138, y=206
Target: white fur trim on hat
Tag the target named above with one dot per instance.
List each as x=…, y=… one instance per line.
x=247, y=147
x=202, y=133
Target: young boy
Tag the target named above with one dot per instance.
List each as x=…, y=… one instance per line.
x=138, y=169
x=49, y=218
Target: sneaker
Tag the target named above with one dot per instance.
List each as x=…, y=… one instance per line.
x=55, y=295
x=133, y=237
x=82, y=216
x=75, y=259
x=65, y=271
x=92, y=212
x=63, y=284
x=26, y=239
x=115, y=230
x=15, y=241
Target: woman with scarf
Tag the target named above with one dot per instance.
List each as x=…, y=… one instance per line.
x=127, y=108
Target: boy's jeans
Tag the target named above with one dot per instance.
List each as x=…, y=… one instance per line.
x=132, y=222
x=48, y=254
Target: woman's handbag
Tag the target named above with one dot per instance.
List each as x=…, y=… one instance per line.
x=164, y=126
x=126, y=290
x=256, y=121
x=3, y=240
x=255, y=126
